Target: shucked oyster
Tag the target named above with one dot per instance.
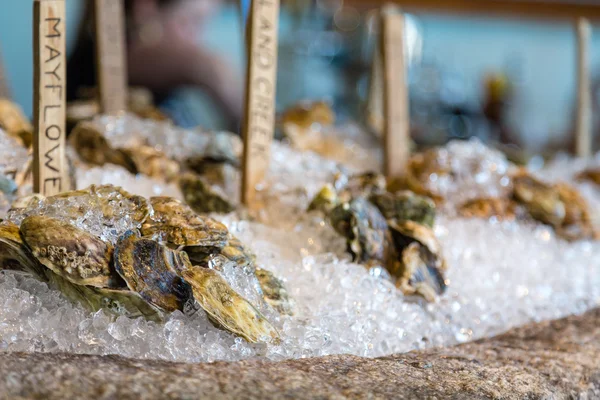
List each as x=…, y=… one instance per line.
x=177, y=225
x=419, y=269
x=151, y=270
x=69, y=251
x=228, y=309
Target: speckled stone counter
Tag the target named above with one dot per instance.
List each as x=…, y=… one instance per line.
x=550, y=360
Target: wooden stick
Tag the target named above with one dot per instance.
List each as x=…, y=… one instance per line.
x=261, y=83
x=4, y=89
x=110, y=55
x=583, y=123
x=375, y=94
x=396, y=134
x=49, y=163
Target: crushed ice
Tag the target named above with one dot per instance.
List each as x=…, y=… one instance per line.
x=502, y=274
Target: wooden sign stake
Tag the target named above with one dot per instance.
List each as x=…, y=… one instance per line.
x=261, y=83
x=583, y=124
x=396, y=135
x=110, y=55
x=375, y=94
x=50, y=168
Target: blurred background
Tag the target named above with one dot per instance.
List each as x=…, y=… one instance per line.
x=469, y=75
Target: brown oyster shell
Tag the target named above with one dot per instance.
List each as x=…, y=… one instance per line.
x=175, y=223
x=151, y=270
x=69, y=251
x=226, y=308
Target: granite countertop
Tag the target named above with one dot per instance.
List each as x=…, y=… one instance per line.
x=550, y=360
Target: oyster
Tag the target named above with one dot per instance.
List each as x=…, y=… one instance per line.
x=502, y=208
x=405, y=205
x=177, y=225
x=202, y=196
x=305, y=114
x=226, y=308
x=577, y=223
x=14, y=255
x=115, y=301
x=274, y=292
x=364, y=185
x=151, y=162
x=151, y=270
x=541, y=200
x=93, y=148
x=222, y=148
x=365, y=230
x=14, y=122
x=325, y=200
x=591, y=174
x=419, y=269
x=69, y=251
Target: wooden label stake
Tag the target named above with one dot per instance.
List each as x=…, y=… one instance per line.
x=49, y=163
x=261, y=83
x=396, y=135
x=110, y=55
x=583, y=124
x=375, y=93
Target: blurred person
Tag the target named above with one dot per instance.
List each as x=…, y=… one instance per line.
x=164, y=53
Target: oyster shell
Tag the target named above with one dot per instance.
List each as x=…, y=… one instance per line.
x=203, y=197
x=226, y=308
x=419, y=269
x=176, y=224
x=14, y=255
x=541, y=200
x=151, y=270
x=365, y=230
x=93, y=148
x=152, y=162
x=325, y=200
x=305, y=114
x=502, y=208
x=274, y=292
x=590, y=174
x=69, y=251
x=359, y=185
x=14, y=122
x=115, y=301
x=405, y=205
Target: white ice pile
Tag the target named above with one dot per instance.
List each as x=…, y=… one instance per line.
x=500, y=275
x=13, y=157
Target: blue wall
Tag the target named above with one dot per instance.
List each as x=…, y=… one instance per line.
x=16, y=33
